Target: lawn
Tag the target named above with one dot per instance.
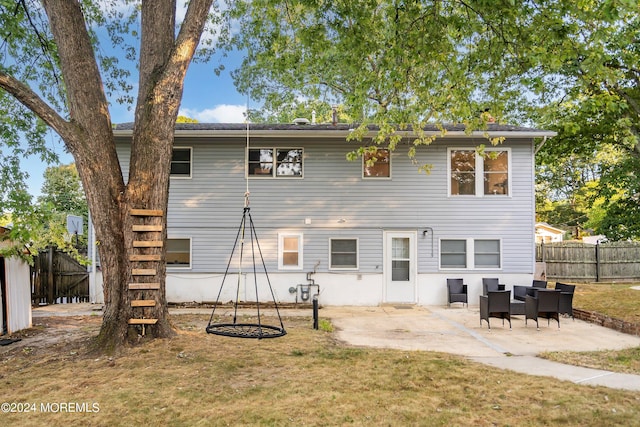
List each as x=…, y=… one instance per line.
x=617, y=300
x=304, y=378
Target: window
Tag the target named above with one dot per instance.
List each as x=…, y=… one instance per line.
x=496, y=173
x=453, y=254
x=343, y=254
x=470, y=254
x=290, y=251
x=287, y=162
x=487, y=253
x=377, y=164
x=465, y=167
x=178, y=253
x=463, y=172
x=181, y=162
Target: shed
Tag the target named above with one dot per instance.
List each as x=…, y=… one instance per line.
x=15, y=291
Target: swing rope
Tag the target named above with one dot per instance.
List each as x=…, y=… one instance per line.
x=246, y=330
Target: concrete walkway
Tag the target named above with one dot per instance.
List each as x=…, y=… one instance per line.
x=457, y=330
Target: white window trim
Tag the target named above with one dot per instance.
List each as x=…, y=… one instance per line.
x=378, y=178
x=182, y=267
x=357, y=267
x=273, y=175
x=470, y=255
x=480, y=172
x=190, y=163
x=281, y=237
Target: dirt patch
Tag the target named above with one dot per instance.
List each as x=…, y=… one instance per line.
x=55, y=334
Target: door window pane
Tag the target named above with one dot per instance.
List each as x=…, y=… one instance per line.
x=400, y=262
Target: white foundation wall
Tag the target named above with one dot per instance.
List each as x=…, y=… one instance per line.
x=334, y=288
x=432, y=287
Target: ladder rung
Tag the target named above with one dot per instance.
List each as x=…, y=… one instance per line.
x=147, y=243
x=144, y=257
x=145, y=212
x=143, y=286
x=138, y=227
x=143, y=303
x=143, y=271
x=143, y=321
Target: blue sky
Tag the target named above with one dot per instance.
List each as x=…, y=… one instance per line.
x=207, y=97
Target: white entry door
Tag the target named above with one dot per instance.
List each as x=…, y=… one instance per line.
x=400, y=266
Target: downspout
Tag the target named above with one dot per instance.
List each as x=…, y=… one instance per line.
x=539, y=147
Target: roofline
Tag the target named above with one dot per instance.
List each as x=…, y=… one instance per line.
x=318, y=133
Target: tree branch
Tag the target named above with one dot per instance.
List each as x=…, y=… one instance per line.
x=33, y=102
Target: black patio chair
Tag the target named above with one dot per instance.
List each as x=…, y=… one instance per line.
x=495, y=304
x=566, y=298
x=545, y=304
x=457, y=292
x=491, y=284
x=520, y=292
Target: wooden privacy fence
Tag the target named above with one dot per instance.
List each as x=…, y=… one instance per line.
x=57, y=278
x=583, y=262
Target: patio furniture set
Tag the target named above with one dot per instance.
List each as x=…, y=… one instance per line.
x=534, y=302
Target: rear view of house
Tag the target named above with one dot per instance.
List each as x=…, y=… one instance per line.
x=360, y=232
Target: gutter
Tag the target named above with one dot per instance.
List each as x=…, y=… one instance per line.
x=323, y=133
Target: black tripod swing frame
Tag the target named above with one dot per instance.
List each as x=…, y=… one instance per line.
x=246, y=330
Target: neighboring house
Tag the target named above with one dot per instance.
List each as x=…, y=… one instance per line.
x=15, y=292
x=594, y=240
x=547, y=234
x=365, y=233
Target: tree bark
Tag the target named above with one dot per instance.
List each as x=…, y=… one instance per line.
x=88, y=135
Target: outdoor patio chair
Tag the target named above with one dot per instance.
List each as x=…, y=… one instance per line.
x=520, y=292
x=545, y=304
x=566, y=298
x=495, y=304
x=491, y=284
x=457, y=292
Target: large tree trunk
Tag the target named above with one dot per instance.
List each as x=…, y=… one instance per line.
x=89, y=137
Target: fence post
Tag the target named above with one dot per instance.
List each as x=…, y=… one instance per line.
x=50, y=276
x=598, y=260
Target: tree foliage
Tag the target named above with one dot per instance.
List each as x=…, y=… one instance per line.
x=398, y=62
x=62, y=195
x=565, y=65
x=593, y=89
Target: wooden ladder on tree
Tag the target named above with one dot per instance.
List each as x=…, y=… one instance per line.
x=144, y=254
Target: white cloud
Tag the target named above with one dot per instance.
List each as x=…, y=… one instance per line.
x=223, y=113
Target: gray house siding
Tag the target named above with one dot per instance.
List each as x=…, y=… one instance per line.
x=208, y=206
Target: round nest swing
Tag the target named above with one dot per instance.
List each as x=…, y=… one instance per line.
x=246, y=330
